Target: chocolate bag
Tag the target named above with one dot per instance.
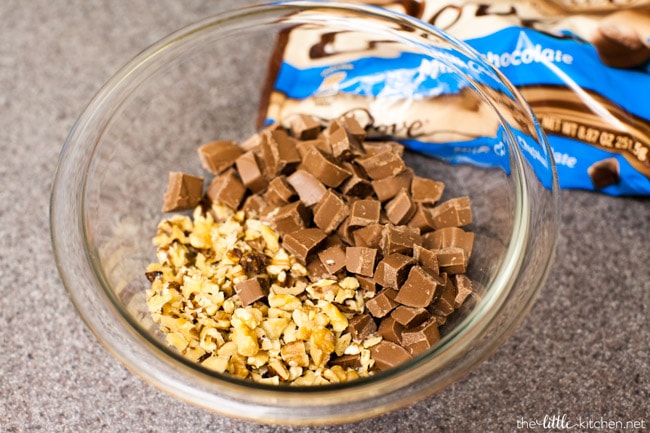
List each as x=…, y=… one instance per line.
x=585, y=75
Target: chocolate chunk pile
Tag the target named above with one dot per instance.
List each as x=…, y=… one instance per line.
x=345, y=206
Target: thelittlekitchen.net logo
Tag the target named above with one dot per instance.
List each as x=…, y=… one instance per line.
x=563, y=422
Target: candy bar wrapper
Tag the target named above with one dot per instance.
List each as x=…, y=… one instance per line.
x=585, y=74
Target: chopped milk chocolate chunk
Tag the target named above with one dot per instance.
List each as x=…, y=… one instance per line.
x=399, y=239
x=362, y=326
x=463, y=289
x=279, y=192
x=345, y=146
x=353, y=127
x=382, y=165
x=451, y=260
x=356, y=185
x=361, y=260
x=421, y=338
x=455, y=212
x=450, y=237
x=383, y=303
x=330, y=212
x=390, y=186
x=227, y=189
x=254, y=204
x=324, y=169
x=422, y=219
x=184, y=191
x=303, y=242
x=347, y=361
x=251, y=171
x=279, y=152
x=426, y=258
x=333, y=258
x=426, y=191
x=390, y=329
x=345, y=232
x=374, y=147
x=319, y=143
x=388, y=354
x=364, y=213
x=419, y=289
x=410, y=316
x=251, y=290
x=392, y=270
x=309, y=189
x=216, y=156
x=444, y=305
x=305, y=127
x=291, y=217
x=369, y=236
x=367, y=284
x=317, y=270
x=401, y=208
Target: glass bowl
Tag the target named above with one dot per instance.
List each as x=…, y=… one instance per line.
x=207, y=82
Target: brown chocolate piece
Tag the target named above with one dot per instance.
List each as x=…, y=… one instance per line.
x=444, y=305
x=302, y=243
x=309, y=189
x=450, y=237
x=279, y=152
x=227, y=189
x=455, y=212
x=353, y=127
x=451, y=260
x=604, y=173
x=410, y=316
x=390, y=329
x=387, y=354
x=216, y=156
x=400, y=209
x=422, y=338
x=279, y=192
x=361, y=260
x=382, y=304
x=333, y=258
x=251, y=290
x=426, y=191
x=345, y=146
x=369, y=236
x=183, y=191
x=421, y=219
x=319, y=143
x=304, y=127
x=426, y=258
x=419, y=289
x=251, y=171
x=356, y=185
x=324, y=169
x=382, y=165
x=399, y=239
x=390, y=186
x=291, y=217
x=317, y=270
x=330, y=212
x=364, y=213
x=344, y=231
x=375, y=147
x=347, y=361
x=362, y=326
x=254, y=205
x=367, y=284
x=463, y=289
x=392, y=270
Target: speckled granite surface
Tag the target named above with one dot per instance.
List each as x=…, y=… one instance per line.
x=583, y=352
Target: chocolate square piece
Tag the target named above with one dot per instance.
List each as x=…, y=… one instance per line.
x=450, y=237
x=361, y=260
x=279, y=152
x=279, y=192
x=390, y=186
x=333, y=258
x=330, y=212
x=382, y=165
x=304, y=127
x=369, y=236
x=390, y=329
x=400, y=208
x=383, y=303
x=251, y=290
x=291, y=217
x=419, y=289
x=309, y=189
x=392, y=270
x=422, y=338
x=302, y=243
x=251, y=171
x=410, y=316
x=387, y=354
x=323, y=168
x=364, y=213
x=362, y=326
x=183, y=191
x=426, y=191
x=451, y=260
x=216, y=156
x=455, y=212
x=345, y=146
x=227, y=189
x=399, y=239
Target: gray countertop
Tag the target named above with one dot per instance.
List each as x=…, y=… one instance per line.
x=583, y=351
